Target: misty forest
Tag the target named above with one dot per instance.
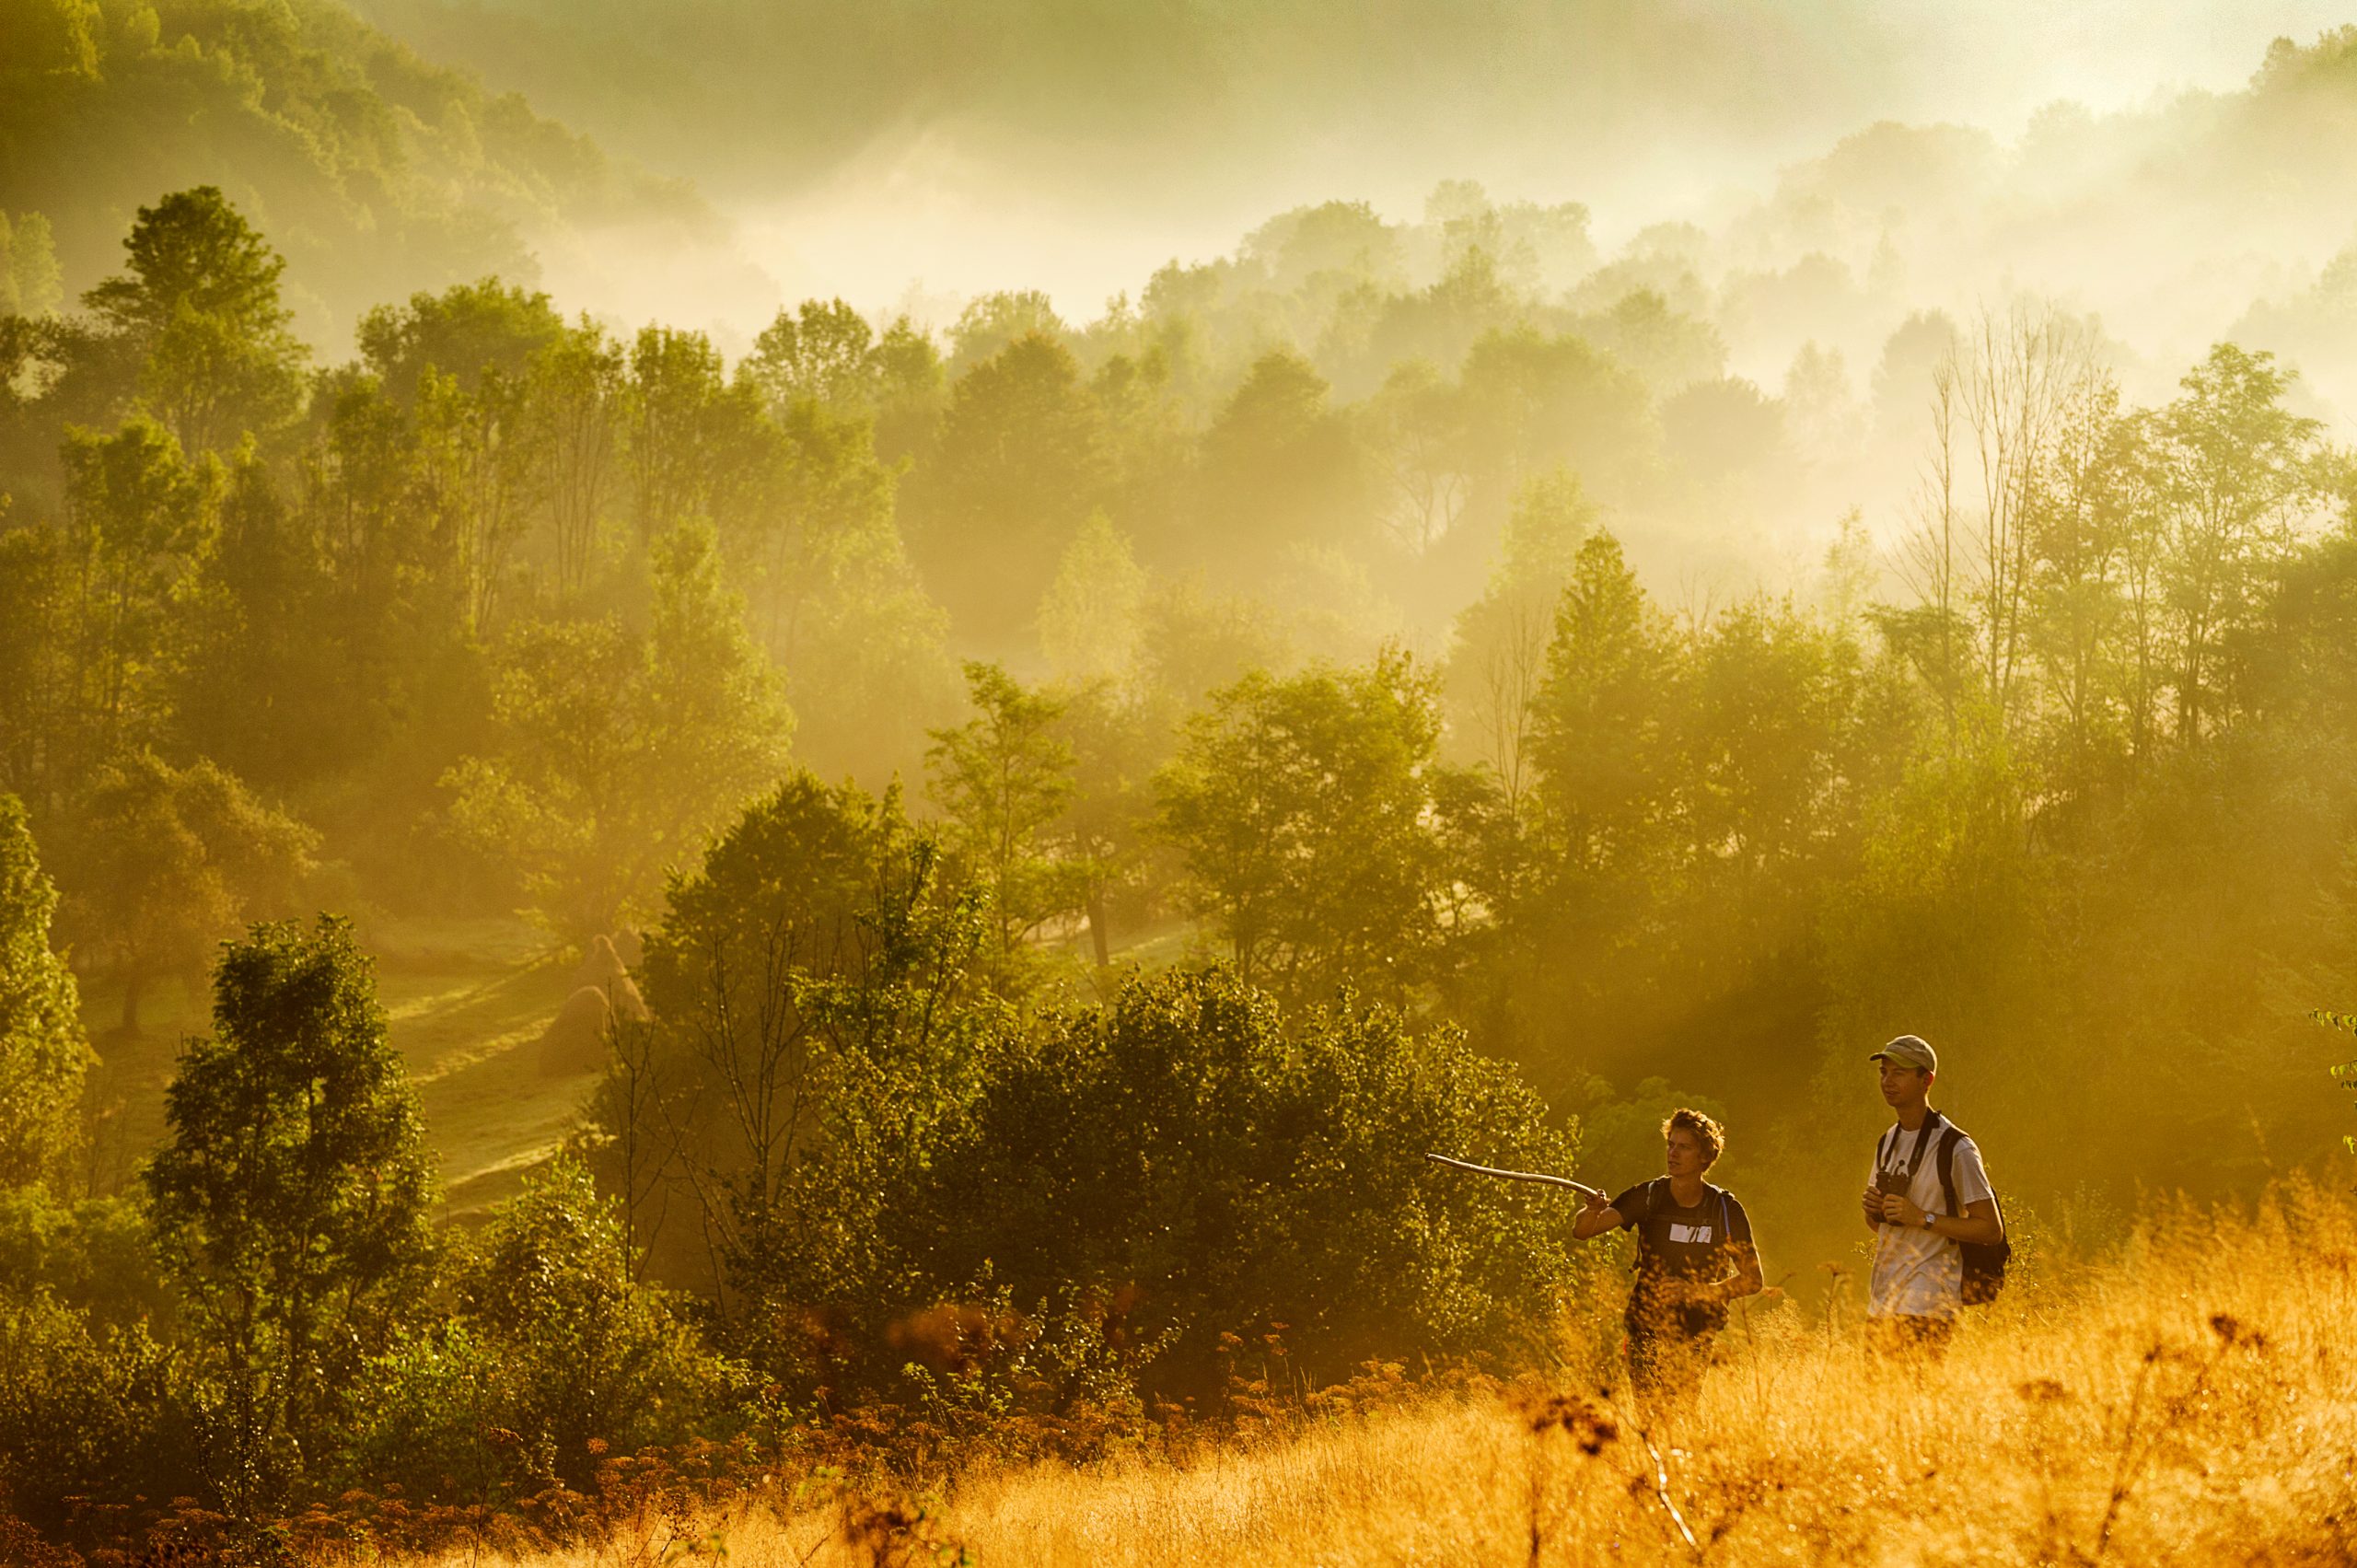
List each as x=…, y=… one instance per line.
x=660, y=904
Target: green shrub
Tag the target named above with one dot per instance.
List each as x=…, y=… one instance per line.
x=555, y=1355
x=86, y=1412
x=96, y=1255
x=1216, y=1170
x=43, y=1053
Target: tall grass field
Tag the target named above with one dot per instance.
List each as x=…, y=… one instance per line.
x=2190, y=1399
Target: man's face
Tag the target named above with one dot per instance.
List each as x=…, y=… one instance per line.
x=1685, y=1155
x=1902, y=1084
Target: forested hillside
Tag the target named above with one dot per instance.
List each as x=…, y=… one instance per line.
x=1104, y=86
x=375, y=171
x=512, y=612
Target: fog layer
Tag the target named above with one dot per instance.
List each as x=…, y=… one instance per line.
x=1067, y=144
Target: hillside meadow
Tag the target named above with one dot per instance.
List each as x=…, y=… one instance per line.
x=467, y=1004
x=2191, y=1398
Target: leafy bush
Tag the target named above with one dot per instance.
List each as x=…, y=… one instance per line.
x=87, y=1414
x=554, y=1357
x=900, y=1175
x=43, y=1053
x=1621, y=1139
x=1215, y=1169
x=95, y=1256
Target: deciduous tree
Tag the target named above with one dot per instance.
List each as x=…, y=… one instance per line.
x=617, y=753
x=200, y=300
x=1605, y=733
x=822, y=352
x=1017, y=471
x=1002, y=780
x=43, y=1053
x=170, y=860
x=292, y=1196
x=816, y=1016
x=1298, y=807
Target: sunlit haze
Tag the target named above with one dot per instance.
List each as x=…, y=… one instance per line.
x=1687, y=112
x=1214, y=782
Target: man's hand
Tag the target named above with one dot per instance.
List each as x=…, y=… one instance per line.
x=1870, y=1206
x=1597, y=1215
x=1898, y=1210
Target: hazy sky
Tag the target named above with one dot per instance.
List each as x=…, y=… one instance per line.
x=945, y=204
x=1076, y=145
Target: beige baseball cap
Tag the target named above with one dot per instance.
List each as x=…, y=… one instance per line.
x=1910, y=1050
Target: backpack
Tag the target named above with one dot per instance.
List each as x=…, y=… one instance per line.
x=1660, y=1184
x=1984, y=1262
x=1698, y=1318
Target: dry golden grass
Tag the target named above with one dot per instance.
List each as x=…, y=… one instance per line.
x=2192, y=1401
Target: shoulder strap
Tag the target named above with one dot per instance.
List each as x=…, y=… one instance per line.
x=1895, y=1137
x=1727, y=1226
x=1652, y=1196
x=1950, y=1138
x=1933, y=1120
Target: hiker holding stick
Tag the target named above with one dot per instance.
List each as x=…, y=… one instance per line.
x=1694, y=1255
x=1694, y=1251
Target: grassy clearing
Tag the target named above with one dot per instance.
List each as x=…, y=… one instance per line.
x=2193, y=1400
x=466, y=1002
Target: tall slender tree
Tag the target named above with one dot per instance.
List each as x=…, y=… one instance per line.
x=43, y=1053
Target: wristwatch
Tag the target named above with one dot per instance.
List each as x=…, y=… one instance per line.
x=1927, y=1219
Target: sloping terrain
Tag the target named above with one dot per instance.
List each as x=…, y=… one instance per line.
x=467, y=1002
x=377, y=173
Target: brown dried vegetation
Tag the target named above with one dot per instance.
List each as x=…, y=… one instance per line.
x=2191, y=1399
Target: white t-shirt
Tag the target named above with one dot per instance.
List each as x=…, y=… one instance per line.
x=1917, y=1274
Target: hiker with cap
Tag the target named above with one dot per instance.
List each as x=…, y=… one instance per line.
x=1938, y=1236
x=1694, y=1255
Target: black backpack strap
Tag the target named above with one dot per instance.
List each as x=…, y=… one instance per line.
x=1931, y=1122
x=1894, y=1139
x=1950, y=1137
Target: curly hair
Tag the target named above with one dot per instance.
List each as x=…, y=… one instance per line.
x=1707, y=1133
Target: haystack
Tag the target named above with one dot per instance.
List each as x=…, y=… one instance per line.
x=600, y=966
x=575, y=1041
x=628, y=1004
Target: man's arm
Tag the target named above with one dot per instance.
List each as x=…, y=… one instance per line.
x=1746, y=1280
x=1871, y=1206
x=1977, y=1226
x=1596, y=1216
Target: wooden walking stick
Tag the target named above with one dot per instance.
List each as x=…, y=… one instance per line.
x=1582, y=1188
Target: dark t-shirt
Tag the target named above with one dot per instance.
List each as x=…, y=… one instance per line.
x=1683, y=1244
